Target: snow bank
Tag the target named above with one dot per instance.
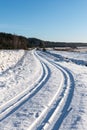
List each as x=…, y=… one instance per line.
x=8, y=58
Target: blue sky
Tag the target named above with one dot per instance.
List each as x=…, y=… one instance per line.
x=54, y=20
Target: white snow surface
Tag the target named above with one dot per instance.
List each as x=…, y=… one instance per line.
x=9, y=58
x=43, y=90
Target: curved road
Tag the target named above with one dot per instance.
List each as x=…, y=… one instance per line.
x=50, y=97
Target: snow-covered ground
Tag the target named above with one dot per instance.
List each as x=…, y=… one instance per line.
x=9, y=59
x=43, y=90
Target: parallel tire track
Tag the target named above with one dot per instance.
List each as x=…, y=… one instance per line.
x=61, y=108
x=13, y=104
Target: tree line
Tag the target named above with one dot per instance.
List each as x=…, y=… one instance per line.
x=13, y=41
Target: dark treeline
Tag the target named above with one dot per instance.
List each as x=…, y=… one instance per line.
x=34, y=42
x=12, y=41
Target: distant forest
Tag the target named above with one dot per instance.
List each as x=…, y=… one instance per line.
x=12, y=41
x=9, y=41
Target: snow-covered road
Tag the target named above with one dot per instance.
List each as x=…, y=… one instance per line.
x=44, y=91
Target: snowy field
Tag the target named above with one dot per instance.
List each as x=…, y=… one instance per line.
x=43, y=90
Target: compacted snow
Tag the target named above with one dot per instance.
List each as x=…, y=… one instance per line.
x=43, y=90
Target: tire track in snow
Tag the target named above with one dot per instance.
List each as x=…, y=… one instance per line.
x=66, y=108
x=12, y=79
x=13, y=104
x=60, y=110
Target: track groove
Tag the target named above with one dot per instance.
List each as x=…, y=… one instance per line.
x=12, y=105
x=61, y=109
x=58, y=108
